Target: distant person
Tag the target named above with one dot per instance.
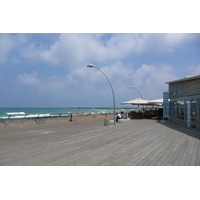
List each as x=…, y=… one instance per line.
x=122, y=115
x=118, y=116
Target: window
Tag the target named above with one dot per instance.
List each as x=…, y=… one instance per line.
x=180, y=91
x=191, y=113
x=173, y=109
x=172, y=93
x=180, y=109
x=177, y=92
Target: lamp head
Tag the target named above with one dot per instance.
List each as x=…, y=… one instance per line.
x=90, y=66
x=130, y=87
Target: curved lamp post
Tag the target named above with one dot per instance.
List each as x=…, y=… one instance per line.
x=92, y=66
x=135, y=90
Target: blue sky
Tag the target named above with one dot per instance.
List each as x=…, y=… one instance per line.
x=50, y=69
x=44, y=50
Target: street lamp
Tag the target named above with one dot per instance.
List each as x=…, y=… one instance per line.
x=135, y=90
x=92, y=66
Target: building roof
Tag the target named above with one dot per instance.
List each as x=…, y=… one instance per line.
x=187, y=78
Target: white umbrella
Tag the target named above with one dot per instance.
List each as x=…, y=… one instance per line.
x=137, y=101
x=156, y=101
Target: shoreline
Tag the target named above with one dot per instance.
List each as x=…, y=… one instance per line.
x=6, y=113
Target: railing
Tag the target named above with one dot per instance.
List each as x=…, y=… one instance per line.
x=25, y=116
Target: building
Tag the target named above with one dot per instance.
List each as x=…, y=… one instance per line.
x=184, y=102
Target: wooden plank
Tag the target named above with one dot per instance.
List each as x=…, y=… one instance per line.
x=138, y=142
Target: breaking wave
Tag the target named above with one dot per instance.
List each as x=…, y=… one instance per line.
x=16, y=113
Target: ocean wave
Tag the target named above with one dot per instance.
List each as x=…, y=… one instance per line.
x=16, y=113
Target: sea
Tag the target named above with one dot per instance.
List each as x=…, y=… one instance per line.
x=11, y=112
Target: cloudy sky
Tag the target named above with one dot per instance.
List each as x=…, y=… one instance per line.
x=50, y=69
x=44, y=50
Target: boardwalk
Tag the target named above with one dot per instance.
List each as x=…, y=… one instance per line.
x=89, y=143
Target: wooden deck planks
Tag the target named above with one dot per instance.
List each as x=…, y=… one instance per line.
x=89, y=143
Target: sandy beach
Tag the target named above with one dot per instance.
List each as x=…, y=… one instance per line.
x=90, y=143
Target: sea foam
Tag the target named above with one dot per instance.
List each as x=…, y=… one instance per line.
x=16, y=113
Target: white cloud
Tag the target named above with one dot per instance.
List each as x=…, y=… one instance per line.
x=114, y=71
x=59, y=83
x=6, y=44
x=31, y=51
x=81, y=83
x=163, y=43
x=118, y=70
x=53, y=83
x=150, y=79
x=9, y=42
x=29, y=78
x=174, y=39
x=74, y=49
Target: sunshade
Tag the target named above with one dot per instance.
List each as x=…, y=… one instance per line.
x=137, y=101
x=156, y=101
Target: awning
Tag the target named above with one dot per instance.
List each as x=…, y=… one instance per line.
x=137, y=101
x=156, y=101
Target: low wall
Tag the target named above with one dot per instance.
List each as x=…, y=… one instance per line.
x=49, y=120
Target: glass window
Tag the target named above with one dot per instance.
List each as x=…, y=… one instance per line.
x=180, y=109
x=191, y=113
x=177, y=92
x=180, y=91
x=173, y=111
x=172, y=93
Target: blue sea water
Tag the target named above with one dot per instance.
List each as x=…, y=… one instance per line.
x=28, y=111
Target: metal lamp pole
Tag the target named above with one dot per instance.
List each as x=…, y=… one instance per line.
x=92, y=66
x=135, y=90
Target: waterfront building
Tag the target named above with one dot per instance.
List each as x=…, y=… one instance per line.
x=184, y=102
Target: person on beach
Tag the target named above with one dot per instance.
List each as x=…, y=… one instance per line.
x=118, y=116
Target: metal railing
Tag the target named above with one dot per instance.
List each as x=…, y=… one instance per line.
x=49, y=115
